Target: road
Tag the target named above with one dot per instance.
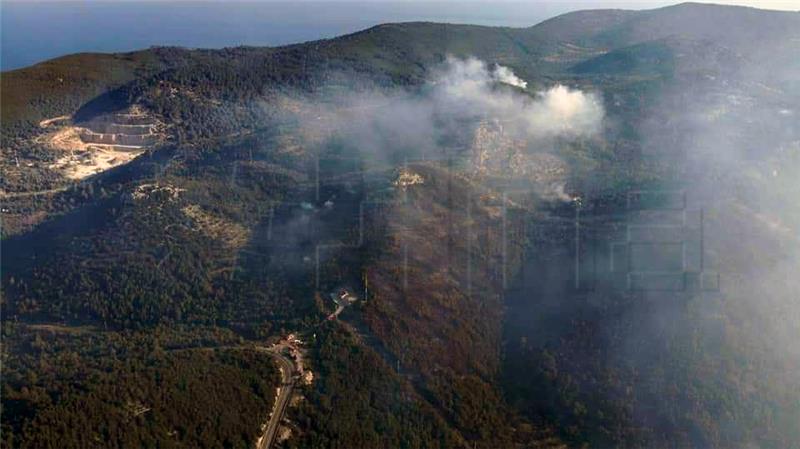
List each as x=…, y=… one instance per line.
x=279, y=409
x=287, y=368
x=339, y=309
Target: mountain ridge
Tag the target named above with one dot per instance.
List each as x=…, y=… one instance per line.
x=521, y=48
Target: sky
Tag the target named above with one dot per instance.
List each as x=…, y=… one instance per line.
x=33, y=31
x=787, y=5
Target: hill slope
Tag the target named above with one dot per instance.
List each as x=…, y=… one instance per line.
x=283, y=175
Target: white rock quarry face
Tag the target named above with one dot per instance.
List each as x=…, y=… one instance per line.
x=103, y=143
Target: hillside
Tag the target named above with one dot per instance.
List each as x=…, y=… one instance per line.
x=468, y=188
x=60, y=86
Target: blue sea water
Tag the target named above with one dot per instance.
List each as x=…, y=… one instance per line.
x=33, y=31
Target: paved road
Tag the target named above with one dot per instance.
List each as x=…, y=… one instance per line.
x=287, y=368
x=339, y=309
x=279, y=409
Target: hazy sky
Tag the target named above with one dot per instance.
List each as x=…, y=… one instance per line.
x=790, y=5
x=35, y=30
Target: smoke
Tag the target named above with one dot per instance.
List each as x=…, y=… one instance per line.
x=696, y=363
x=464, y=88
x=732, y=144
x=505, y=75
x=735, y=151
x=466, y=110
x=729, y=143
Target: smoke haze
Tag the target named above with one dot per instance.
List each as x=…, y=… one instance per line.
x=462, y=97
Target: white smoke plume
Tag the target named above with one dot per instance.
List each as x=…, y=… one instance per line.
x=449, y=111
x=505, y=75
x=466, y=87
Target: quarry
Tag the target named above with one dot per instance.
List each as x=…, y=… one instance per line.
x=102, y=143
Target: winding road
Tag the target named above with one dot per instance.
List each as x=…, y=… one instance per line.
x=287, y=369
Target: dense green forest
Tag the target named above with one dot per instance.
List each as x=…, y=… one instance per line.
x=82, y=387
